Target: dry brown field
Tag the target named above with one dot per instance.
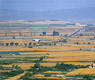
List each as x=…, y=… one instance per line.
x=16, y=77
x=84, y=71
x=26, y=66
x=69, y=53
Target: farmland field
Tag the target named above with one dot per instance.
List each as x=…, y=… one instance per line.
x=28, y=54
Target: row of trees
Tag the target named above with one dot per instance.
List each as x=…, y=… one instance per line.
x=69, y=67
x=82, y=43
x=17, y=44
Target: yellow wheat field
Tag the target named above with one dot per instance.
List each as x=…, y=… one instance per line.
x=33, y=53
x=38, y=76
x=16, y=77
x=25, y=66
x=56, y=78
x=59, y=72
x=83, y=71
x=71, y=56
x=44, y=48
x=79, y=63
x=5, y=71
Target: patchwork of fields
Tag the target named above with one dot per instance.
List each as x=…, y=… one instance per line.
x=72, y=54
x=31, y=56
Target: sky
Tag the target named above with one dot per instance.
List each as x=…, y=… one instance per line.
x=44, y=5
x=47, y=9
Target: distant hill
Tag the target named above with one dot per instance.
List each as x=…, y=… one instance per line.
x=77, y=14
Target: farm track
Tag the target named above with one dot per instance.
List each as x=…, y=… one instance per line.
x=16, y=77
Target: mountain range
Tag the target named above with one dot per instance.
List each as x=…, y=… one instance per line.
x=75, y=14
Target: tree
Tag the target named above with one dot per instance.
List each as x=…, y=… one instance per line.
x=16, y=44
x=36, y=68
x=11, y=44
x=37, y=65
x=41, y=59
x=30, y=45
x=7, y=44
x=25, y=44
x=89, y=43
x=88, y=77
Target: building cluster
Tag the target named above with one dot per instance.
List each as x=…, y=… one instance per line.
x=90, y=27
x=55, y=33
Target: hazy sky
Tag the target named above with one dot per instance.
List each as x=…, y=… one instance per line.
x=47, y=10
x=43, y=5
